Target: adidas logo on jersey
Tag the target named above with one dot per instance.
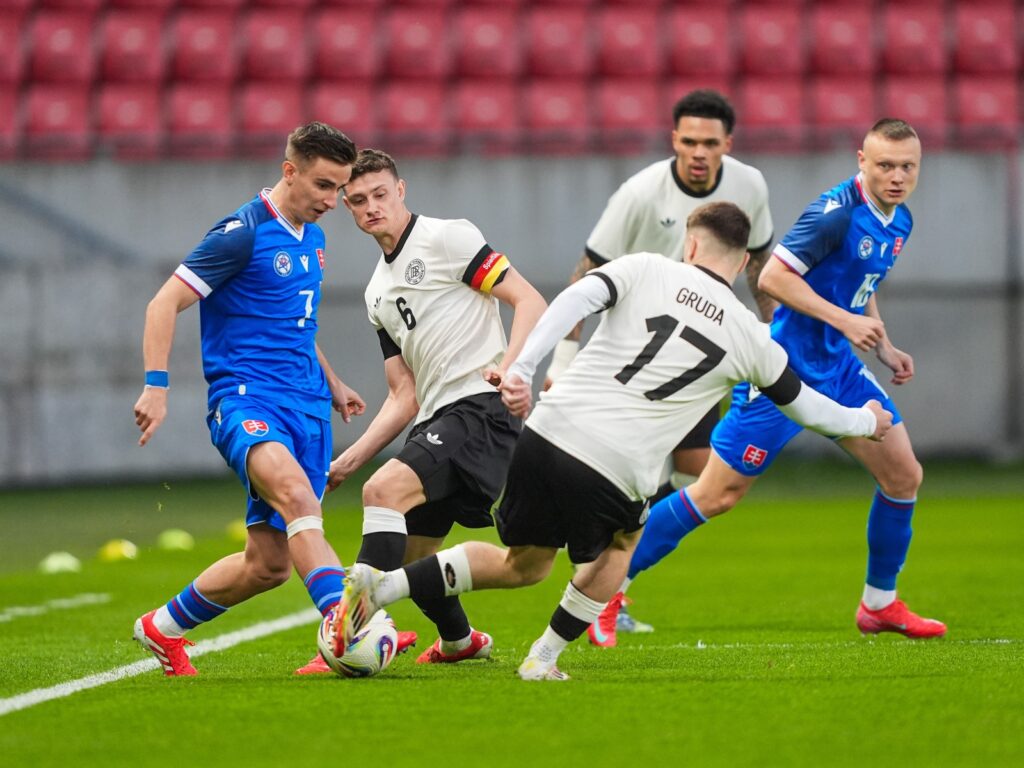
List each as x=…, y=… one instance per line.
x=667, y=222
x=434, y=439
x=831, y=205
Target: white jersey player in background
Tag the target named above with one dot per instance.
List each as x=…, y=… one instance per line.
x=433, y=299
x=673, y=339
x=648, y=213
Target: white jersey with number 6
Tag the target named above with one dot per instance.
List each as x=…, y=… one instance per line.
x=432, y=297
x=673, y=342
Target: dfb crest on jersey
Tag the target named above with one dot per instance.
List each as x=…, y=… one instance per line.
x=282, y=264
x=415, y=272
x=865, y=247
x=753, y=457
x=255, y=427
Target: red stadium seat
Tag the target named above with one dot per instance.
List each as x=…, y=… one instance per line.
x=417, y=43
x=987, y=110
x=556, y=115
x=700, y=41
x=200, y=119
x=914, y=38
x=152, y=5
x=921, y=101
x=74, y=5
x=348, y=106
x=203, y=44
x=9, y=127
x=771, y=40
x=129, y=119
x=289, y=4
x=842, y=108
x=12, y=49
x=628, y=41
x=346, y=44
x=487, y=42
x=487, y=116
x=415, y=116
x=62, y=48
x=984, y=37
x=842, y=39
x=132, y=46
x=57, y=122
x=274, y=45
x=267, y=112
x=771, y=112
x=630, y=114
x=218, y=5
x=558, y=42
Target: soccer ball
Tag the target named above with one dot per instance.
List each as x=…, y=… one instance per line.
x=370, y=652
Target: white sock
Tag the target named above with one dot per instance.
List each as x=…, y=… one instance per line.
x=451, y=647
x=168, y=627
x=454, y=564
x=392, y=587
x=547, y=647
x=876, y=599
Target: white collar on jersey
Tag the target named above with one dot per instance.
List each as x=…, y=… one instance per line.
x=886, y=220
x=296, y=233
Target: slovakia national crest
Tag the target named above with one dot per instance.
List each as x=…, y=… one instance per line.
x=255, y=427
x=282, y=264
x=753, y=457
x=415, y=271
x=865, y=247
x=320, y=256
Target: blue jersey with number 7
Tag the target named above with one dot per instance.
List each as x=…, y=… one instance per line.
x=844, y=246
x=259, y=280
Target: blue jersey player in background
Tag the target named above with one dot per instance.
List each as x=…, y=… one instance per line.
x=258, y=274
x=825, y=273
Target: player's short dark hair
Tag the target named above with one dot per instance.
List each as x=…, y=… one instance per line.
x=708, y=104
x=312, y=140
x=373, y=161
x=725, y=221
x=893, y=129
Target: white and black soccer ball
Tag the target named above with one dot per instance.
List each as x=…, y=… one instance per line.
x=371, y=651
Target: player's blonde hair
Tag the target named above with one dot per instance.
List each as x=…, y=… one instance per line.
x=893, y=129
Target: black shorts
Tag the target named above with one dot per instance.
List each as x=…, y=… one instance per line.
x=461, y=455
x=554, y=500
x=700, y=435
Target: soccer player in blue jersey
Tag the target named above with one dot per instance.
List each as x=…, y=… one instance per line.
x=825, y=273
x=258, y=274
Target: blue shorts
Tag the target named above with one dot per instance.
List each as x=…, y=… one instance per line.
x=239, y=423
x=754, y=432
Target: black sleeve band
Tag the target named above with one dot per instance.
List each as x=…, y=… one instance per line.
x=613, y=295
x=476, y=263
x=387, y=344
x=785, y=390
x=597, y=258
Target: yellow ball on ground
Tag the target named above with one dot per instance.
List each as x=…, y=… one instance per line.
x=118, y=549
x=175, y=539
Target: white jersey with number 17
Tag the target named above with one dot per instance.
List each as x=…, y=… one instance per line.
x=673, y=342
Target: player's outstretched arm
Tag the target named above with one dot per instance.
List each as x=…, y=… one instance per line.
x=567, y=348
x=766, y=305
x=527, y=305
x=157, y=339
x=789, y=288
x=899, y=362
x=397, y=410
x=344, y=399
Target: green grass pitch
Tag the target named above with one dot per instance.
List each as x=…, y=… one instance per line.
x=755, y=661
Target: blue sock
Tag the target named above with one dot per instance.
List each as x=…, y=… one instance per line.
x=668, y=522
x=324, y=586
x=888, y=539
x=190, y=609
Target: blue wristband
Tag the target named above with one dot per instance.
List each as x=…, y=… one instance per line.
x=158, y=379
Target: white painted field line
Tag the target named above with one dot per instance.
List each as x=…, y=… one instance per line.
x=58, y=604
x=223, y=642
x=700, y=645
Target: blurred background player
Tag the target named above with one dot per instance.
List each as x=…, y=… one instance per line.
x=648, y=213
x=671, y=342
x=825, y=272
x=258, y=273
x=433, y=299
